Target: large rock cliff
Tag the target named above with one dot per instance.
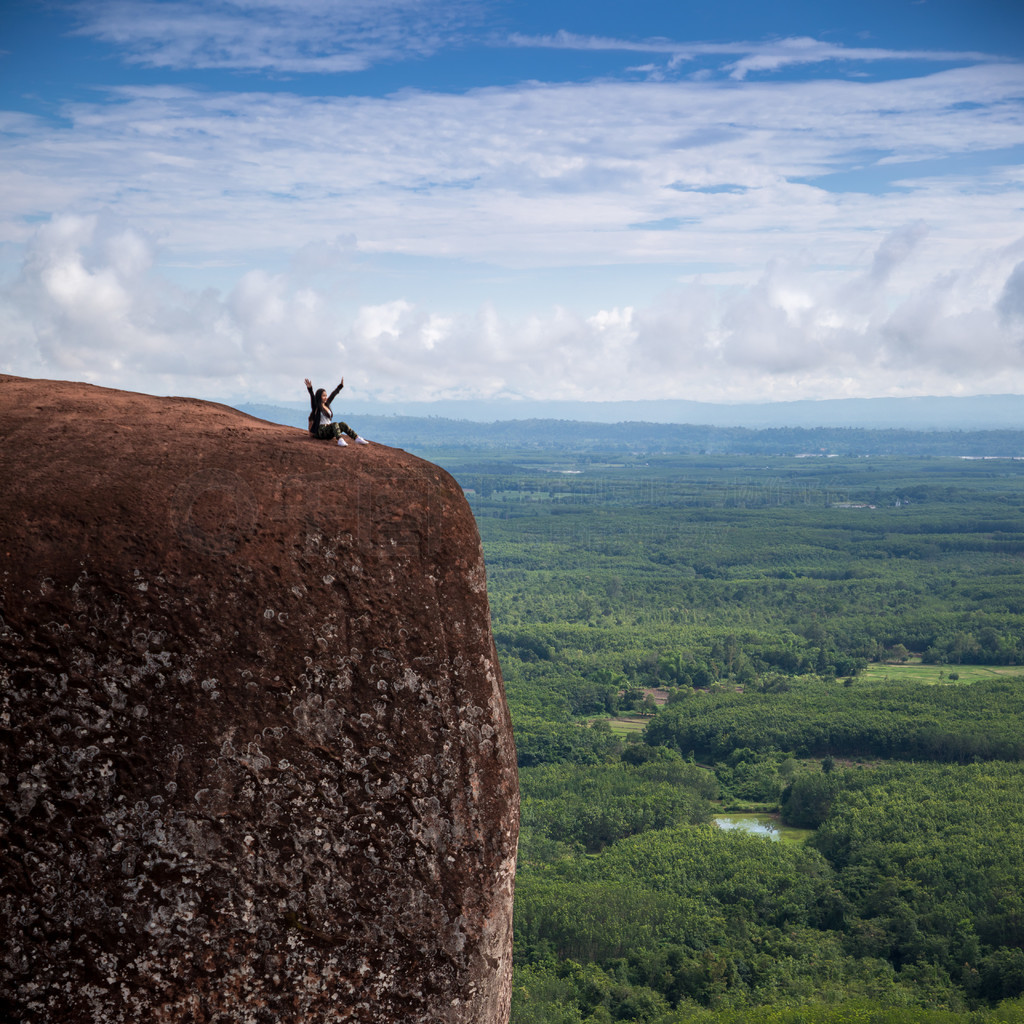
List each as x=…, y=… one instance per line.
x=256, y=759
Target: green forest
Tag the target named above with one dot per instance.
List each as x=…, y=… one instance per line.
x=835, y=641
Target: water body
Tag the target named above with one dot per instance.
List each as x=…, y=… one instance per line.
x=757, y=824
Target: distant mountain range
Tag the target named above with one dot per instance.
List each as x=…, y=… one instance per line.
x=957, y=437
x=979, y=412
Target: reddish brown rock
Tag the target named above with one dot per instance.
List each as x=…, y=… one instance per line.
x=256, y=759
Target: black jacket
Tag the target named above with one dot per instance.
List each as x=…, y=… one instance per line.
x=315, y=411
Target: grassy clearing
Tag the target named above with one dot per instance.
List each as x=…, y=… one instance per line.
x=913, y=671
x=628, y=726
x=625, y=725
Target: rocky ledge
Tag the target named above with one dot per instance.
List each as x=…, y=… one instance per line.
x=257, y=763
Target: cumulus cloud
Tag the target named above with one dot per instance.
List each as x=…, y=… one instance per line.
x=1011, y=301
x=895, y=250
x=87, y=304
x=92, y=303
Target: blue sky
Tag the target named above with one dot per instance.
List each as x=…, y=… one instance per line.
x=499, y=199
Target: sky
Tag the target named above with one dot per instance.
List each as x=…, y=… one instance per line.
x=731, y=201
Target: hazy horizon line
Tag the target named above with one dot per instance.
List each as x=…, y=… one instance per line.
x=999, y=411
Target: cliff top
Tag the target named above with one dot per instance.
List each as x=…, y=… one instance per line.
x=252, y=713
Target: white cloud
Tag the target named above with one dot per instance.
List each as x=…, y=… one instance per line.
x=283, y=36
x=1011, y=300
x=752, y=56
x=220, y=243
x=91, y=303
x=782, y=53
x=895, y=250
x=332, y=37
x=512, y=175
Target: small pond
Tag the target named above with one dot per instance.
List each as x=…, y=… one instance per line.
x=758, y=824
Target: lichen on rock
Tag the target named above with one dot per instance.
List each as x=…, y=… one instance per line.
x=257, y=763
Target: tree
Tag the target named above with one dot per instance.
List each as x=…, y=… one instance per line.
x=808, y=800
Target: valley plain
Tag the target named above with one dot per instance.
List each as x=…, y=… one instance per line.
x=833, y=639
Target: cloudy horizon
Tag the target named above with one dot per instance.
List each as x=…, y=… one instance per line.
x=480, y=199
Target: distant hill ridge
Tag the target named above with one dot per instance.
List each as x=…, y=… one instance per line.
x=975, y=412
x=548, y=434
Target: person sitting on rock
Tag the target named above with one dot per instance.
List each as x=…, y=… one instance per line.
x=321, y=419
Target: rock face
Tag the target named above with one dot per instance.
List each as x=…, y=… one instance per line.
x=257, y=764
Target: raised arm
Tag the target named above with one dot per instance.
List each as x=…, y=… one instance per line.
x=334, y=393
x=312, y=397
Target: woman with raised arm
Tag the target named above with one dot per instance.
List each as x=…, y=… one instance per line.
x=321, y=419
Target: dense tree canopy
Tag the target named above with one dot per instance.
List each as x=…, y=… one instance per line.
x=680, y=633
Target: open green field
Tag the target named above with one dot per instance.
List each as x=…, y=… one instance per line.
x=628, y=726
x=620, y=726
x=915, y=672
